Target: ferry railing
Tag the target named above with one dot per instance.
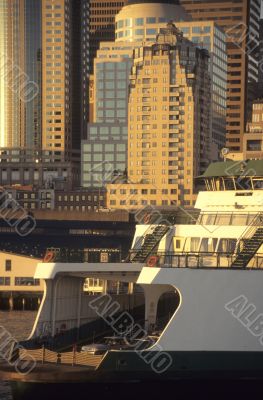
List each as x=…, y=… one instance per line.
x=73, y=357
x=63, y=254
x=199, y=260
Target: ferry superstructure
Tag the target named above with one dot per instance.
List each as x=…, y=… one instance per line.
x=212, y=266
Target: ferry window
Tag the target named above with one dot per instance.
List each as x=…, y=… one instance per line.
x=240, y=219
x=4, y=281
x=227, y=246
x=212, y=243
x=209, y=219
x=208, y=245
x=104, y=257
x=229, y=184
x=243, y=183
x=194, y=246
x=258, y=184
x=204, y=245
x=232, y=245
x=222, y=247
x=223, y=219
x=178, y=244
x=8, y=265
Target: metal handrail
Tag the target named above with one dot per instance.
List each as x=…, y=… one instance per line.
x=148, y=231
x=251, y=229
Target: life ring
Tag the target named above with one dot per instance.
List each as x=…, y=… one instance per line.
x=152, y=261
x=49, y=256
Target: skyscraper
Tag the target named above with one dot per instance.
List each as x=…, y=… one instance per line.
x=168, y=123
x=104, y=152
x=142, y=20
x=43, y=88
x=240, y=20
x=20, y=78
x=65, y=71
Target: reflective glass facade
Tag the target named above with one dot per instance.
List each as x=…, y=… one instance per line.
x=20, y=63
x=112, y=91
x=206, y=34
x=103, y=154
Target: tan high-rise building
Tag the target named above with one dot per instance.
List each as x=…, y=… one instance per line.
x=240, y=20
x=168, y=123
x=142, y=20
x=56, y=75
x=62, y=72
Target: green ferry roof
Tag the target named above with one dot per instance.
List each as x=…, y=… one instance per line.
x=251, y=168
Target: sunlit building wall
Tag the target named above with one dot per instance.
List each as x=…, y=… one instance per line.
x=141, y=22
x=168, y=124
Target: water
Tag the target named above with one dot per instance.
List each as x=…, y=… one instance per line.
x=19, y=324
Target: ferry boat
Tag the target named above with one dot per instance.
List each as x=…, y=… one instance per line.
x=210, y=268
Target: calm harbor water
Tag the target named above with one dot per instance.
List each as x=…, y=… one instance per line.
x=19, y=324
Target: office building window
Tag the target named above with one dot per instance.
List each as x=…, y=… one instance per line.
x=8, y=265
x=139, y=21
